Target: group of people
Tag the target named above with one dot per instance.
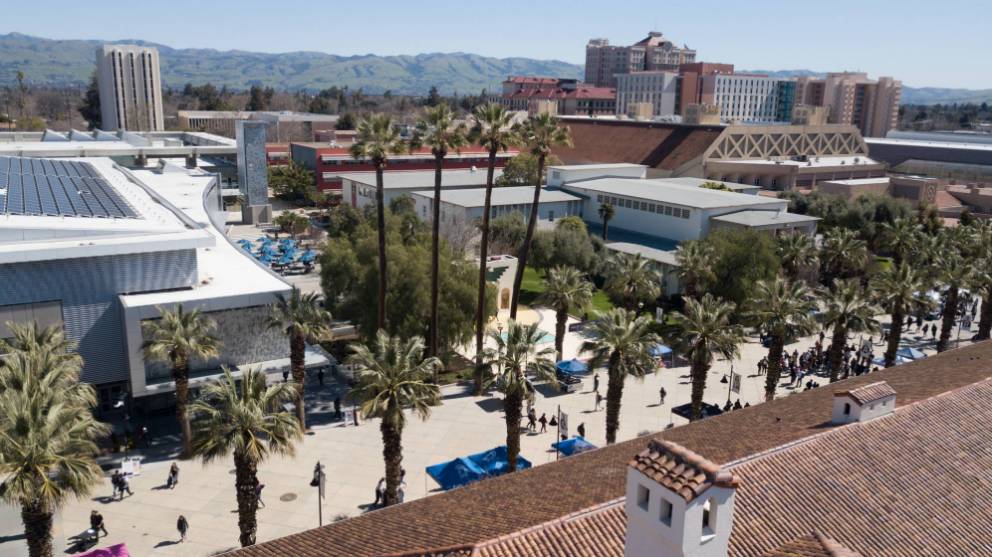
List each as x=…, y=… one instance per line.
x=533, y=420
x=380, y=489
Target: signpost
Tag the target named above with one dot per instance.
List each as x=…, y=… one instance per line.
x=318, y=481
x=734, y=383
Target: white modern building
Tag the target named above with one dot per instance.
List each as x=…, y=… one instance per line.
x=563, y=174
x=657, y=88
x=467, y=205
x=358, y=188
x=98, y=250
x=130, y=88
x=750, y=98
x=140, y=146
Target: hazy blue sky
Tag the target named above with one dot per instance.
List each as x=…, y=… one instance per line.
x=943, y=43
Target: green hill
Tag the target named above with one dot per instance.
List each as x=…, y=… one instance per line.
x=71, y=62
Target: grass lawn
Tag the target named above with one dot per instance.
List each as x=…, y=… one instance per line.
x=533, y=286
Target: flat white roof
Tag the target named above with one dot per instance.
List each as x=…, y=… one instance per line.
x=925, y=143
x=858, y=181
x=698, y=182
x=813, y=162
x=517, y=195
x=422, y=179
x=597, y=166
x=661, y=256
x=665, y=191
x=764, y=218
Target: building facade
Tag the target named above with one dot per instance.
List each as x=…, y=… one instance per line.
x=657, y=88
x=853, y=98
x=653, y=53
x=556, y=95
x=130, y=86
x=749, y=98
x=690, y=88
x=283, y=126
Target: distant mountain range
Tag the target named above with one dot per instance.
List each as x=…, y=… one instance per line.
x=71, y=62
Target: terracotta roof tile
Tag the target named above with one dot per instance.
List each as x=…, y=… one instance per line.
x=680, y=470
x=811, y=545
x=873, y=392
x=502, y=506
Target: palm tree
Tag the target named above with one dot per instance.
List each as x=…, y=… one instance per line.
x=565, y=290
x=898, y=288
x=606, y=213
x=438, y=131
x=540, y=134
x=375, y=141
x=391, y=376
x=30, y=337
x=847, y=310
x=702, y=329
x=983, y=285
x=695, y=266
x=178, y=337
x=844, y=255
x=783, y=308
x=955, y=273
x=300, y=317
x=47, y=439
x=900, y=237
x=632, y=279
x=515, y=357
x=623, y=342
x=797, y=252
x=245, y=417
x=492, y=130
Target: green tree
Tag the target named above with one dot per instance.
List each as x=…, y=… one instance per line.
x=900, y=238
x=783, y=309
x=606, y=213
x=47, y=434
x=798, y=253
x=392, y=376
x=622, y=342
x=899, y=289
x=565, y=290
x=259, y=98
x=90, y=107
x=846, y=310
x=700, y=331
x=178, y=337
x=292, y=182
x=438, y=131
x=292, y=223
x=843, y=255
x=982, y=281
x=540, y=134
x=631, y=280
x=300, y=317
x=507, y=232
x=955, y=273
x=719, y=186
x=741, y=258
x=492, y=130
x=347, y=121
x=245, y=417
x=378, y=139
x=516, y=356
x=563, y=246
x=695, y=266
x=433, y=97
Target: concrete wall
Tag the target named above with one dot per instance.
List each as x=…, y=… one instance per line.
x=558, y=176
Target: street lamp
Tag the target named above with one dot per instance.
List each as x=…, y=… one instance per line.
x=318, y=481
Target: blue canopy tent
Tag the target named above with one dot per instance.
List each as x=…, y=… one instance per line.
x=308, y=256
x=572, y=367
x=910, y=353
x=573, y=445
x=455, y=473
x=880, y=361
x=495, y=461
x=660, y=350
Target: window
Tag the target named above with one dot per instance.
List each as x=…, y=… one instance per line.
x=653, y=208
x=709, y=520
x=627, y=203
x=847, y=408
x=643, y=497
x=668, y=210
x=666, y=512
x=599, y=198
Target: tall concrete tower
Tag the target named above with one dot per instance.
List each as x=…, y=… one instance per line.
x=253, y=171
x=130, y=88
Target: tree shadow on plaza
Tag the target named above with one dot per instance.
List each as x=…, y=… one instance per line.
x=166, y=543
x=490, y=404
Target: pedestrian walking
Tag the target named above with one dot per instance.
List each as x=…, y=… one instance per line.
x=115, y=481
x=380, y=491
x=125, y=486
x=183, y=527
x=595, y=382
x=143, y=437
x=544, y=422
x=258, y=494
x=337, y=408
x=173, y=476
x=96, y=524
x=662, y=393
x=531, y=420
x=320, y=376
x=285, y=376
x=581, y=429
x=599, y=400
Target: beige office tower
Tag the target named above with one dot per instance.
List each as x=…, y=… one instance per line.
x=853, y=98
x=130, y=88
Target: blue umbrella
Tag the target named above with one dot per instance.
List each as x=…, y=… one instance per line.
x=572, y=366
x=574, y=445
x=660, y=350
x=910, y=353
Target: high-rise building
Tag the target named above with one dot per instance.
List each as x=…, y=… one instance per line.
x=689, y=82
x=657, y=88
x=853, y=98
x=654, y=53
x=130, y=88
x=749, y=98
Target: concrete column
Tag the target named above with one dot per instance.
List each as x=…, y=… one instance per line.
x=141, y=160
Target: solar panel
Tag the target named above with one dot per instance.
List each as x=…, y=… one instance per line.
x=15, y=198
x=58, y=187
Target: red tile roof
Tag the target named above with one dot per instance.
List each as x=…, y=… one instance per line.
x=532, y=79
x=811, y=545
x=502, y=506
x=592, y=93
x=869, y=393
x=680, y=470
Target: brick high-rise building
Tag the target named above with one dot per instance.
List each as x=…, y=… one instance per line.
x=653, y=53
x=853, y=98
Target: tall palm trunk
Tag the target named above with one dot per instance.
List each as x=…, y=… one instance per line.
x=392, y=454
x=836, y=353
x=606, y=229
x=297, y=362
x=531, y=223
x=775, y=347
x=512, y=404
x=561, y=318
x=381, y=223
x=614, y=394
x=698, y=370
x=37, y=529
x=895, y=334
x=480, y=302
x=432, y=346
x=985, y=319
x=246, y=479
x=950, y=315
x=180, y=374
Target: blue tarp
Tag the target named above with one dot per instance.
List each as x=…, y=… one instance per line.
x=495, y=461
x=572, y=366
x=455, y=473
x=880, y=361
x=573, y=445
x=910, y=353
x=660, y=350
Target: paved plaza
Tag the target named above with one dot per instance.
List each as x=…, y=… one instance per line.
x=462, y=425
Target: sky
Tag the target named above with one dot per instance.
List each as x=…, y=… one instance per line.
x=924, y=43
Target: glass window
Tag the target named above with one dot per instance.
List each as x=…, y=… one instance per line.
x=668, y=210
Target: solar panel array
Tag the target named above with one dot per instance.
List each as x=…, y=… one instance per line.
x=55, y=187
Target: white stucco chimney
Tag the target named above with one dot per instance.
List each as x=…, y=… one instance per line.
x=864, y=403
x=678, y=504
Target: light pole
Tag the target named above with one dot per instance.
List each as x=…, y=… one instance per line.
x=318, y=481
